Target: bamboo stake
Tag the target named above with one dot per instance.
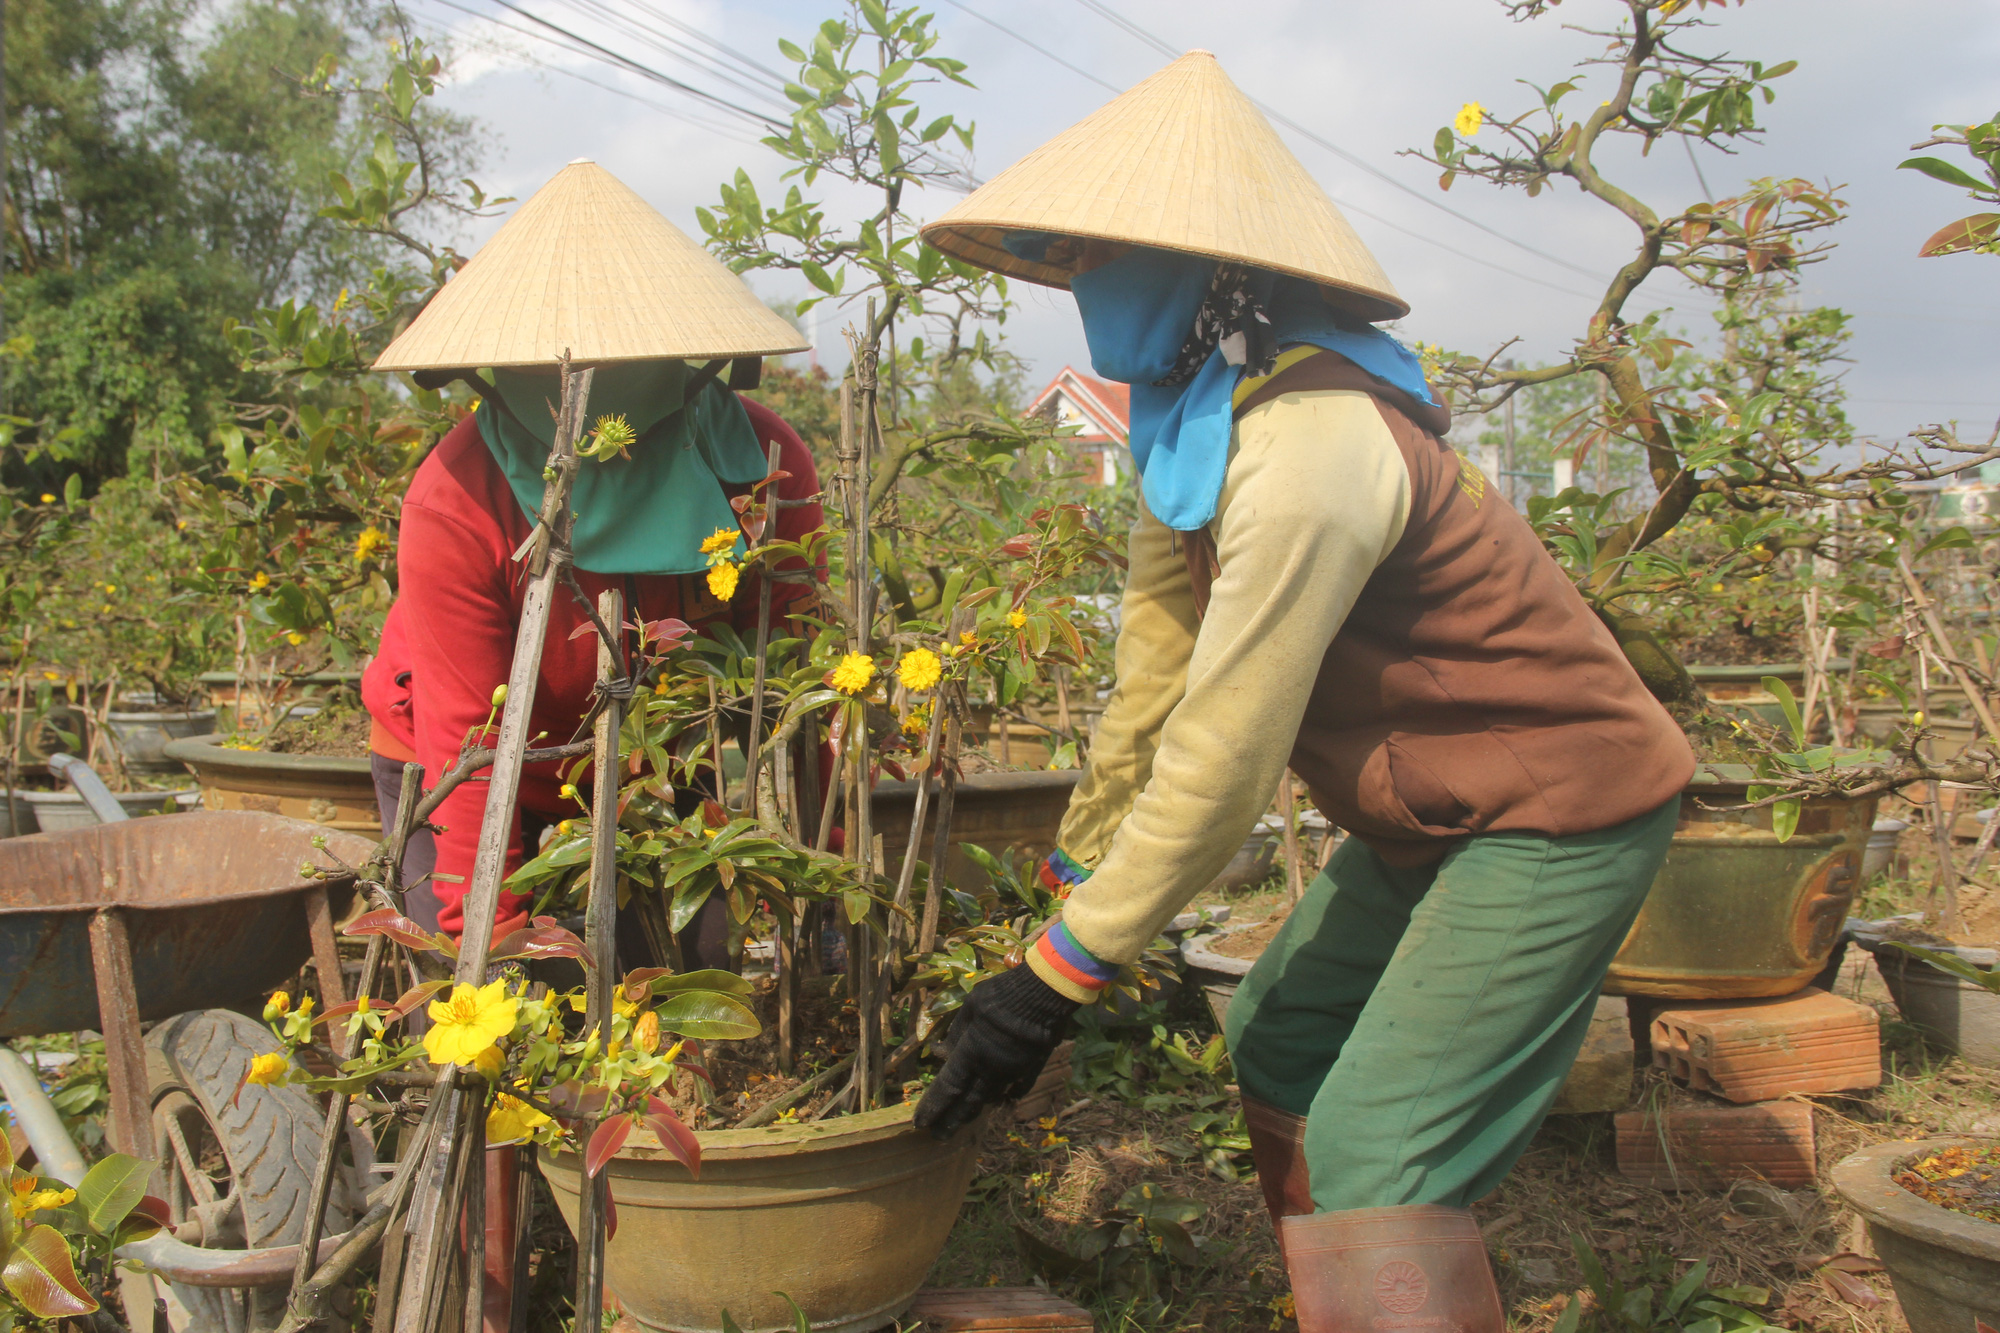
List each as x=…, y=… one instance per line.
x=600, y=930
x=1946, y=653
x=754, y=746
x=432, y=1226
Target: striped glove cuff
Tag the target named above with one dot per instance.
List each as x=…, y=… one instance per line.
x=1069, y=967
x=1059, y=874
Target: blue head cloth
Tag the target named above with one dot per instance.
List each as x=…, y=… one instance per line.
x=1137, y=312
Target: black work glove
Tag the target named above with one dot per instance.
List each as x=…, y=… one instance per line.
x=999, y=1042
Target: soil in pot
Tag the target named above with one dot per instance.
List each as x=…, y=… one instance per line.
x=1963, y=1177
x=1250, y=943
x=340, y=732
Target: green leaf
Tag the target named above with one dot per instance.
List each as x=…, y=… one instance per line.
x=41, y=1276
x=1790, y=706
x=1570, y=1318
x=112, y=1189
x=707, y=979
x=708, y=1015
x=1785, y=818
x=1939, y=169
x=1944, y=541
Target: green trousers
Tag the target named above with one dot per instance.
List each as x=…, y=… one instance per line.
x=1423, y=1020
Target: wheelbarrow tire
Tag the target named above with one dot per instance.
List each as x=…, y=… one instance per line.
x=270, y=1135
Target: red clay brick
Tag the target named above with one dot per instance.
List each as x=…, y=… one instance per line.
x=998, y=1310
x=1706, y=1147
x=1755, y=1050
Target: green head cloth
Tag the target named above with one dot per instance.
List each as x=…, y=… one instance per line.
x=649, y=513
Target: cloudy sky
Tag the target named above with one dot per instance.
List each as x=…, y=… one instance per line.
x=1373, y=79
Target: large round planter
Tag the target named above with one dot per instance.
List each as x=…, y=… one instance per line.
x=1952, y=1012
x=142, y=736
x=1734, y=912
x=1945, y=1265
x=844, y=1216
x=339, y=793
x=994, y=811
x=61, y=811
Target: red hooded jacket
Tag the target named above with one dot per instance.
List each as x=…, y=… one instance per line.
x=449, y=639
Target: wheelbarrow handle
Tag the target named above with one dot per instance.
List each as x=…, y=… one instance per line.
x=90, y=787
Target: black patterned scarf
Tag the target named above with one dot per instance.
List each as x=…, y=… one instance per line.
x=1231, y=317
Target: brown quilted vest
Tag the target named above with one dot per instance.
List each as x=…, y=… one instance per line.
x=1471, y=688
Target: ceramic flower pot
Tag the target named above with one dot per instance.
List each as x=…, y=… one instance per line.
x=1945, y=1264
x=844, y=1216
x=339, y=793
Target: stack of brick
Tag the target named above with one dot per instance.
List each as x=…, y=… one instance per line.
x=1762, y=1056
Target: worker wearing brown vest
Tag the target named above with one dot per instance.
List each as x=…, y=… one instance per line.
x=1318, y=580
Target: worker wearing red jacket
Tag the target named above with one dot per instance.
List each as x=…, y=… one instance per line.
x=586, y=267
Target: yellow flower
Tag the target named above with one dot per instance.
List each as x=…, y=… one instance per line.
x=568, y=792
x=468, y=1023
x=27, y=1199
x=279, y=1004
x=918, y=722
x=271, y=1067
x=722, y=540
x=260, y=581
x=490, y=1062
x=722, y=581
x=370, y=538
x=511, y=1120
x=48, y=499
x=789, y=1116
x=646, y=1033
x=295, y=638
x=1470, y=117
x=920, y=669
x=853, y=673
x=1017, y=618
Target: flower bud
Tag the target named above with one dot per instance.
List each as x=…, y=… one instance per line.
x=499, y=695
x=646, y=1033
x=277, y=1006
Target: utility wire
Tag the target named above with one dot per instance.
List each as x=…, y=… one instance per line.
x=1348, y=206
x=1158, y=44
x=726, y=131
x=638, y=30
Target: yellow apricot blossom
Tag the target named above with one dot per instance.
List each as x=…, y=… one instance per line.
x=853, y=673
x=364, y=546
x=1470, y=117
x=718, y=542
x=511, y=1120
x=722, y=580
x=1017, y=618
x=920, y=669
x=469, y=1023
x=269, y=1068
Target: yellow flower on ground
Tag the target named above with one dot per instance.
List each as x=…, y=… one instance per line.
x=470, y=1022
x=920, y=669
x=721, y=540
x=370, y=538
x=1017, y=618
x=511, y=1120
x=853, y=673
x=269, y=1068
x=722, y=580
x=1470, y=117
x=295, y=638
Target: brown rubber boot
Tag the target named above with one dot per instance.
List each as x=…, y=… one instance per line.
x=1421, y=1268
x=1278, y=1144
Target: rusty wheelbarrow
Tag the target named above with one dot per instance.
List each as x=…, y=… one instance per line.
x=186, y=918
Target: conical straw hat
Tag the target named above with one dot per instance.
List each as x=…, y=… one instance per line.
x=1182, y=161
x=589, y=268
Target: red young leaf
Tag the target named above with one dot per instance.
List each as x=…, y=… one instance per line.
x=605, y=1143
x=697, y=1070
x=610, y=1216
x=585, y=628
x=666, y=633
x=1887, y=649
x=1018, y=547
x=1981, y=1326
x=338, y=1011
x=415, y=996
x=713, y=815
x=674, y=1135
x=39, y=1274
x=639, y=981
x=388, y=921
x=577, y=1101
x=894, y=768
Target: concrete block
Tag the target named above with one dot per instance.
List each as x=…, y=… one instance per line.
x=1755, y=1050
x=1601, y=1078
x=1708, y=1147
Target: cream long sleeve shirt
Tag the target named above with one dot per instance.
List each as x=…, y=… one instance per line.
x=1206, y=709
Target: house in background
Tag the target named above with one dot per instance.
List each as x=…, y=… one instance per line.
x=1100, y=409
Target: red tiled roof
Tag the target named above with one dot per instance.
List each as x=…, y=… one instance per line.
x=1105, y=404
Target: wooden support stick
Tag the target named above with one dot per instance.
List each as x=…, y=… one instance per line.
x=433, y=1225
x=1295, y=878
x=600, y=930
x=753, y=748
x=325, y=949
x=131, y=1127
